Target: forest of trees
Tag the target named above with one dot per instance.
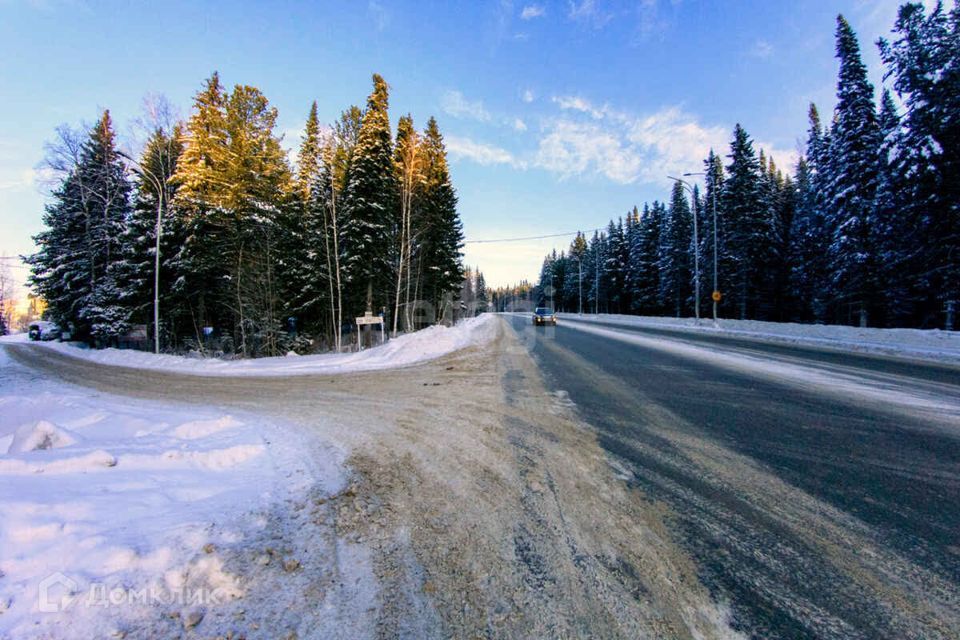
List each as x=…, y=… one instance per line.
x=866, y=230
x=256, y=257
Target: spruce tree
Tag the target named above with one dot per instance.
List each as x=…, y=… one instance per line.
x=644, y=256
x=73, y=268
x=895, y=231
x=675, y=263
x=483, y=298
x=305, y=254
x=747, y=223
x=136, y=275
x=438, y=227
x=923, y=62
x=234, y=184
x=370, y=204
x=855, y=139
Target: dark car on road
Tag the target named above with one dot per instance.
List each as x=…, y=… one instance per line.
x=44, y=331
x=544, y=316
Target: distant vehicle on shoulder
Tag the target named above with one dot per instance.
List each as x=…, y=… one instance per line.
x=544, y=316
x=44, y=330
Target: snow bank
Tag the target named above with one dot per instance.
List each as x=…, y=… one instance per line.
x=101, y=494
x=920, y=343
x=404, y=350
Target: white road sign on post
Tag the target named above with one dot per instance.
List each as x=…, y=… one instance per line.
x=369, y=318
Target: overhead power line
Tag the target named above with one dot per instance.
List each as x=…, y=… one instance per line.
x=550, y=235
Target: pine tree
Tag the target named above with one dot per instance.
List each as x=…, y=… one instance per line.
x=306, y=270
x=438, y=226
x=234, y=184
x=644, y=256
x=923, y=62
x=855, y=138
x=73, y=269
x=202, y=273
x=136, y=275
x=896, y=231
x=674, y=254
x=615, y=263
x=370, y=204
x=747, y=224
x=482, y=295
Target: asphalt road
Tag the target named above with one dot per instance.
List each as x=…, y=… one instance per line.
x=817, y=491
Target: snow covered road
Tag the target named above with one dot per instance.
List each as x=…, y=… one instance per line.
x=816, y=489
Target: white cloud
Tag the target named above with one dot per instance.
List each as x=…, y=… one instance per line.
x=588, y=12
x=20, y=179
x=761, y=49
x=528, y=96
x=577, y=103
x=481, y=153
x=455, y=104
x=586, y=140
x=627, y=148
x=381, y=17
x=577, y=148
x=532, y=11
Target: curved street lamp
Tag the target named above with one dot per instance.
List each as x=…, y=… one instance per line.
x=716, y=284
x=144, y=172
x=696, y=248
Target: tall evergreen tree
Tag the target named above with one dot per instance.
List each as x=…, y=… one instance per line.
x=644, y=256
x=923, y=60
x=73, y=268
x=674, y=255
x=438, y=226
x=748, y=225
x=855, y=138
x=234, y=183
x=370, y=204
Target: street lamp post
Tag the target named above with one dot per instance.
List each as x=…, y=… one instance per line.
x=596, y=301
x=696, y=248
x=143, y=171
x=580, y=285
x=716, y=284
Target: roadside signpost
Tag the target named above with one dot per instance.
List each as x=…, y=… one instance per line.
x=368, y=319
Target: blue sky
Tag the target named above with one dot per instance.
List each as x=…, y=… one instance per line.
x=557, y=115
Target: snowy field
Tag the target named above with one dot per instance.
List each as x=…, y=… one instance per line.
x=926, y=344
x=404, y=350
x=112, y=509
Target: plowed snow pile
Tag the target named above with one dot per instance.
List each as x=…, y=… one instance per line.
x=406, y=349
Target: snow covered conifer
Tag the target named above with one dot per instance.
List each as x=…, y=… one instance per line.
x=439, y=230
x=747, y=224
x=370, y=204
x=854, y=141
x=72, y=269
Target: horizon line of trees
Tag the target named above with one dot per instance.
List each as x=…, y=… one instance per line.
x=866, y=231
x=257, y=257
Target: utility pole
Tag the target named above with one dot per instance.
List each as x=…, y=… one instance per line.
x=696, y=247
x=579, y=282
x=596, y=303
x=552, y=303
x=143, y=171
